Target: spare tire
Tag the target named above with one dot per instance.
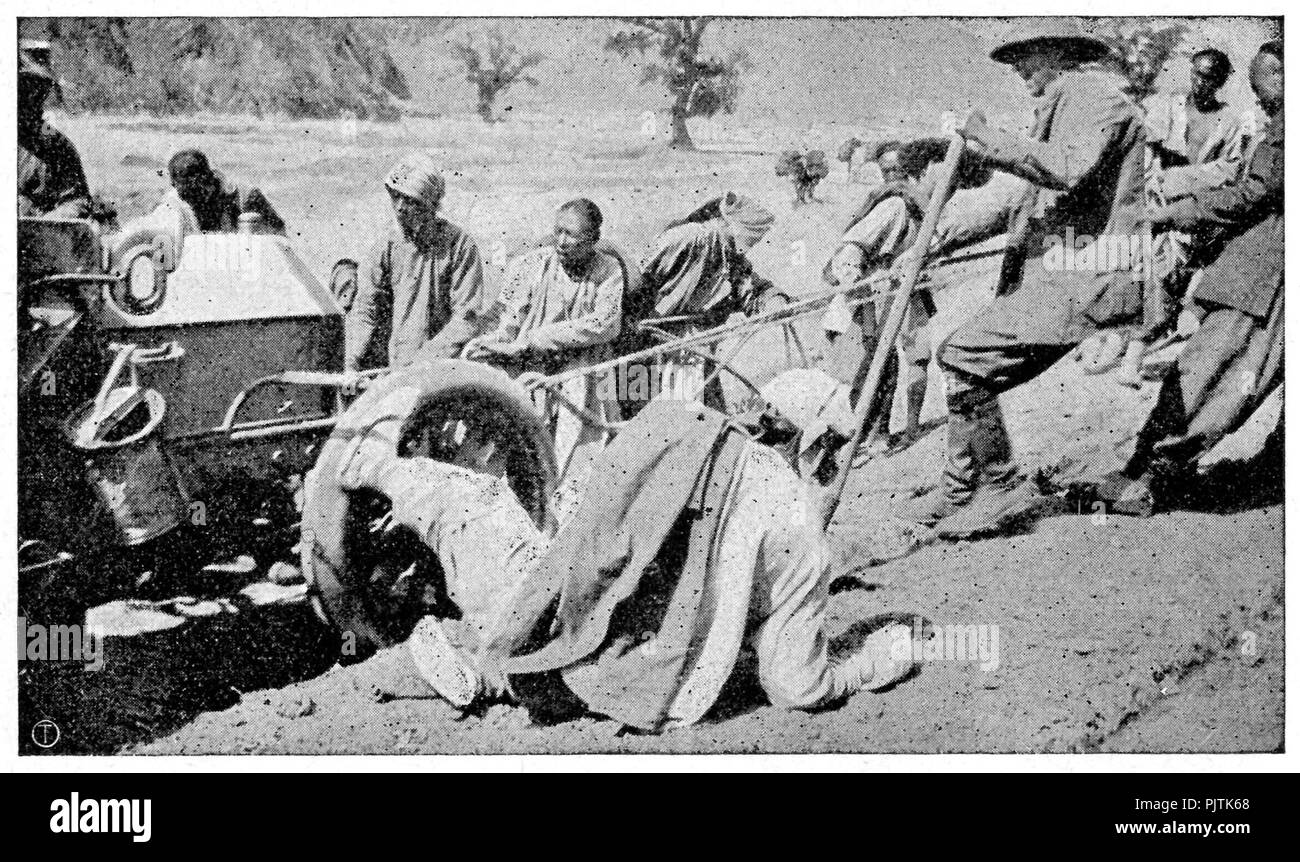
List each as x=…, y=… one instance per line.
x=343, y=282
x=374, y=584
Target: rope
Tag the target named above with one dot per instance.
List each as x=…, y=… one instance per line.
x=725, y=364
x=869, y=289
x=803, y=308
x=531, y=380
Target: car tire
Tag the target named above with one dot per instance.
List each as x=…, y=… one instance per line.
x=339, y=553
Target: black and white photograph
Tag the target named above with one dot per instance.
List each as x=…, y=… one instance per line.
x=647, y=385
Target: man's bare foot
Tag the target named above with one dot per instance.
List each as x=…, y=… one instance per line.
x=891, y=654
x=1130, y=370
x=443, y=666
x=1109, y=347
x=1129, y=376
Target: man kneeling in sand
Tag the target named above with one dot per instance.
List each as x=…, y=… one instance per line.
x=701, y=541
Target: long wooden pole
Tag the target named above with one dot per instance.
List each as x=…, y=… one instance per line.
x=864, y=415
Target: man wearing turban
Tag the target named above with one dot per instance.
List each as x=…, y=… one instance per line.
x=421, y=287
x=699, y=273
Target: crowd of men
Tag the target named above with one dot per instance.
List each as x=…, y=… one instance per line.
x=699, y=543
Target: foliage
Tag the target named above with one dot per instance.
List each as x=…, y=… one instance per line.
x=699, y=85
x=494, y=68
x=1140, y=51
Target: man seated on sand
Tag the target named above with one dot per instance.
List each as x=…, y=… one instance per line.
x=420, y=290
x=702, y=540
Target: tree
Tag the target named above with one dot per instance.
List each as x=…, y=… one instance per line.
x=1139, y=52
x=698, y=86
x=494, y=68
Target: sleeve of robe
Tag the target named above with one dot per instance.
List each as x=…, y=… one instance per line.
x=1166, y=127
x=471, y=308
x=680, y=262
x=374, y=294
x=881, y=231
x=974, y=215
x=1183, y=180
x=69, y=192
x=515, y=299
x=599, y=326
x=756, y=293
x=763, y=296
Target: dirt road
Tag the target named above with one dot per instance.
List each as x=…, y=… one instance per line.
x=1155, y=635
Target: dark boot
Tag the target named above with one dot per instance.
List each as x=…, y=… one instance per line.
x=960, y=474
x=1152, y=479
x=1122, y=494
x=1004, y=495
x=1164, y=484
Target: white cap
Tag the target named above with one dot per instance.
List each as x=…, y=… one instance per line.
x=838, y=317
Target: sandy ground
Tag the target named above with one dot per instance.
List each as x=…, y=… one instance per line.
x=1111, y=634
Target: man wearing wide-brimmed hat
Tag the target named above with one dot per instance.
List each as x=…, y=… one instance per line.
x=51, y=181
x=420, y=293
x=1082, y=163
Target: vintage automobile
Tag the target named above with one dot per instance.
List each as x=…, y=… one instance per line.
x=182, y=400
x=174, y=389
